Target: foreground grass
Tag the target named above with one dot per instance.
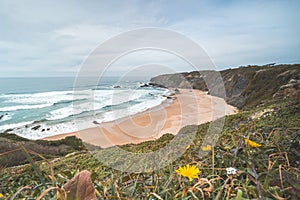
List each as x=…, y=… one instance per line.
x=269, y=172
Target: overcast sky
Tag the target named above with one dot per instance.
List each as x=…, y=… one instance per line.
x=53, y=38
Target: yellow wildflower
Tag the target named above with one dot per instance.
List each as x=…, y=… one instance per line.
x=189, y=171
x=206, y=148
x=251, y=143
x=188, y=147
x=1, y=196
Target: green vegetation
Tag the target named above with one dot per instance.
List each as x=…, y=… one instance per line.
x=271, y=170
x=231, y=169
x=11, y=152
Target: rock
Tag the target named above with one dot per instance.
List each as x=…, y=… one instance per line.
x=80, y=187
x=95, y=122
x=169, y=80
x=145, y=85
x=1, y=116
x=43, y=130
x=292, y=89
x=169, y=96
x=156, y=85
x=36, y=127
x=8, y=130
x=117, y=86
x=244, y=86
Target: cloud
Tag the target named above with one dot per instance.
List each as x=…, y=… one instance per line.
x=54, y=37
x=247, y=32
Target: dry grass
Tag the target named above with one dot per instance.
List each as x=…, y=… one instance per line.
x=267, y=172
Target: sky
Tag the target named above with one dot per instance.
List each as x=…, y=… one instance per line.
x=54, y=38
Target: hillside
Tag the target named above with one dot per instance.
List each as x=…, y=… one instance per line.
x=270, y=117
x=245, y=86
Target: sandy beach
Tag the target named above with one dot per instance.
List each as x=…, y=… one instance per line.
x=188, y=107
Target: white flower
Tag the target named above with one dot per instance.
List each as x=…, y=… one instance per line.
x=231, y=170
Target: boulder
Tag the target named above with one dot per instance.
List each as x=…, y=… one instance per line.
x=36, y=127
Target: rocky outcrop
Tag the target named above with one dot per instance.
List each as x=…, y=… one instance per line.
x=292, y=89
x=244, y=86
x=154, y=85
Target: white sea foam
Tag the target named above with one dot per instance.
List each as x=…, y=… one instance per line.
x=5, y=117
x=57, y=106
x=24, y=107
x=73, y=110
x=16, y=125
x=47, y=130
x=102, y=99
x=145, y=105
x=42, y=98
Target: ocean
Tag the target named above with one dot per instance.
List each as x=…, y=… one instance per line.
x=35, y=108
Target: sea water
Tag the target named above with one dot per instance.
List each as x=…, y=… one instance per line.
x=35, y=108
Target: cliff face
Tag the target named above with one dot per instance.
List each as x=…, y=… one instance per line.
x=244, y=86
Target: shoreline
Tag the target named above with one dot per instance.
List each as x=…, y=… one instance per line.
x=188, y=107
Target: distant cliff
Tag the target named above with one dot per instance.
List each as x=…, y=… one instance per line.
x=244, y=86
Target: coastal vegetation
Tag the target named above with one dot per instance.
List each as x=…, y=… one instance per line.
x=257, y=155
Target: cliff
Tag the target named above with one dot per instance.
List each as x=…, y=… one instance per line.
x=245, y=86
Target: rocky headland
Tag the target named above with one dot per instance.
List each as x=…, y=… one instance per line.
x=245, y=86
